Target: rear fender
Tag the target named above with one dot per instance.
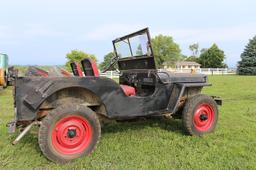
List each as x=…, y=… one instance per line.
x=46, y=94
x=74, y=95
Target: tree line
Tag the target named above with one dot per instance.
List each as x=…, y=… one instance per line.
x=168, y=52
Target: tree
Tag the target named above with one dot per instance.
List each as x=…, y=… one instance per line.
x=139, y=50
x=203, y=50
x=77, y=56
x=212, y=57
x=106, y=61
x=195, y=52
x=247, y=65
x=165, y=50
x=194, y=49
x=192, y=58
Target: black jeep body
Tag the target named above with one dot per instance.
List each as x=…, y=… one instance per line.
x=156, y=92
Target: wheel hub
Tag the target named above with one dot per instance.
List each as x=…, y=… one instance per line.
x=204, y=117
x=71, y=135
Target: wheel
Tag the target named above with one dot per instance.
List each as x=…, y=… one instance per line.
x=69, y=132
x=200, y=115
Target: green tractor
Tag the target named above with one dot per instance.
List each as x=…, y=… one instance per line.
x=3, y=70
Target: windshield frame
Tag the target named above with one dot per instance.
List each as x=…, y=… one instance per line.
x=127, y=38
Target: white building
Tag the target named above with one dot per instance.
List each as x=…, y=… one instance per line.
x=182, y=66
x=187, y=65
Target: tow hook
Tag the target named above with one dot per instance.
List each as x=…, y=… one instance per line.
x=25, y=131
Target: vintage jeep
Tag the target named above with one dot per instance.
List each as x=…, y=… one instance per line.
x=70, y=110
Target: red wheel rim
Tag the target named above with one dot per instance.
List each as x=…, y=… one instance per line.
x=204, y=117
x=71, y=135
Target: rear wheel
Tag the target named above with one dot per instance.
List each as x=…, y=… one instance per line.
x=69, y=132
x=200, y=115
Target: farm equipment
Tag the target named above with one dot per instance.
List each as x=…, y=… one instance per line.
x=70, y=110
x=3, y=70
x=7, y=74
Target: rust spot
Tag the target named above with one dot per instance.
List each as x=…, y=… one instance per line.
x=182, y=101
x=42, y=113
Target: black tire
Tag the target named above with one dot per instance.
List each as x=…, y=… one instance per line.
x=200, y=115
x=55, y=124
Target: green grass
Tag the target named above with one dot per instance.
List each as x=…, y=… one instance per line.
x=155, y=143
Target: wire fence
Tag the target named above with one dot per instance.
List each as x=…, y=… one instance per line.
x=207, y=71
x=110, y=74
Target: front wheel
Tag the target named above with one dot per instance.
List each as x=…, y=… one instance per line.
x=69, y=132
x=200, y=115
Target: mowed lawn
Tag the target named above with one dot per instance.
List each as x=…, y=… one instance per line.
x=155, y=143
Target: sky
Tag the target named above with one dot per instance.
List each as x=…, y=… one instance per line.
x=42, y=32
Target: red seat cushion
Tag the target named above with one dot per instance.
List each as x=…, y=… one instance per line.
x=90, y=67
x=128, y=90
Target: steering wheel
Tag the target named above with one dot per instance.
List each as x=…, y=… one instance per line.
x=113, y=61
x=156, y=74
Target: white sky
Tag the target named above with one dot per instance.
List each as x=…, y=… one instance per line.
x=42, y=32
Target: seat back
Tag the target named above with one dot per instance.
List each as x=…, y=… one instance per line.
x=90, y=67
x=76, y=69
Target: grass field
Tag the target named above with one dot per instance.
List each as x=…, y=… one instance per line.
x=155, y=143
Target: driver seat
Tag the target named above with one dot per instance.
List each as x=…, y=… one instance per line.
x=90, y=69
x=128, y=90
